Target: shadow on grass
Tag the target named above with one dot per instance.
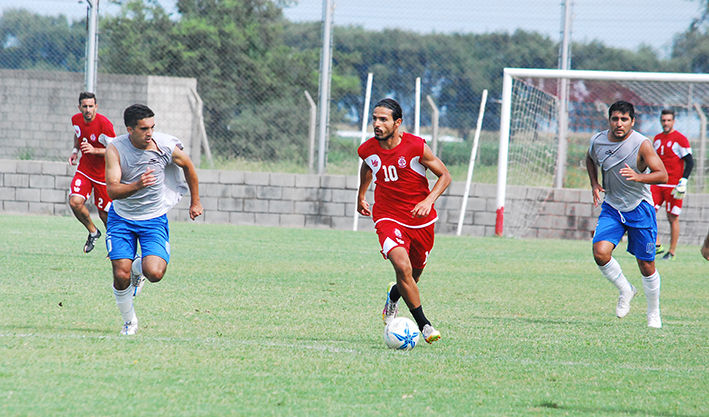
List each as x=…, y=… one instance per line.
x=611, y=410
x=537, y=320
x=40, y=330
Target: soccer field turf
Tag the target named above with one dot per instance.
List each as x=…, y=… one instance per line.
x=274, y=321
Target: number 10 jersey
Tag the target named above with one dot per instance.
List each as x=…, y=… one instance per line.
x=400, y=180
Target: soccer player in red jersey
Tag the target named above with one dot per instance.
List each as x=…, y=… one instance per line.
x=403, y=212
x=676, y=153
x=88, y=127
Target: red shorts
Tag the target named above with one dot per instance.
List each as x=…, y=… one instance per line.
x=82, y=185
x=417, y=242
x=664, y=195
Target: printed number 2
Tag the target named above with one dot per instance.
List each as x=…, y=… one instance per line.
x=390, y=173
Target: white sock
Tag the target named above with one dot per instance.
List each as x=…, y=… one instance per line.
x=614, y=274
x=94, y=234
x=124, y=301
x=651, y=286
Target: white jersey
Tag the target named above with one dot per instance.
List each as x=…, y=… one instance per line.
x=157, y=199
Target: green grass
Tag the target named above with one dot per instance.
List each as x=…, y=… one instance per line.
x=268, y=321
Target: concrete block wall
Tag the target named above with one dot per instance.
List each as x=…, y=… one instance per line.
x=328, y=202
x=36, y=108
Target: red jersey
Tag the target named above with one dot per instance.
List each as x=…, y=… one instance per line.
x=400, y=180
x=671, y=148
x=93, y=166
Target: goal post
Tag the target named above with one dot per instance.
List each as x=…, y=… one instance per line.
x=531, y=147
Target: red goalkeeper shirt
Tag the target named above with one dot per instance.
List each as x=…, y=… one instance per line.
x=671, y=148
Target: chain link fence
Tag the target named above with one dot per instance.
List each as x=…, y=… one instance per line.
x=254, y=60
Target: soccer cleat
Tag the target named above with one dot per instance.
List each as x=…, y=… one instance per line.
x=668, y=257
x=391, y=309
x=130, y=328
x=90, y=241
x=137, y=279
x=659, y=249
x=654, y=320
x=430, y=334
x=623, y=307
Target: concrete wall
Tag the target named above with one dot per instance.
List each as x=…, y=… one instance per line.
x=36, y=108
x=328, y=202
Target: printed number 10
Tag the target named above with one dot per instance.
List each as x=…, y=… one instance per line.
x=390, y=173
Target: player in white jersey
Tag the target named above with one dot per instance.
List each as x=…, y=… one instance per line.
x=142, y=178
x=629, y=165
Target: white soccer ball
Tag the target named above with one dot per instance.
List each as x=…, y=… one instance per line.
x=401, y=333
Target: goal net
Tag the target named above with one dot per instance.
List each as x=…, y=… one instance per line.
x=548, y=117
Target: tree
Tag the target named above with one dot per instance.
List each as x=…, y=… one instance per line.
x=31, y=41
x=137, y=40
x=236, y=51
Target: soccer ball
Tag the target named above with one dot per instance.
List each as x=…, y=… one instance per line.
x=401, y=333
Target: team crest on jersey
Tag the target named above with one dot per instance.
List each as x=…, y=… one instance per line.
x=397, y=233
x=77, y=130
x=402, y=162
x=375, y=163
x=93, y=137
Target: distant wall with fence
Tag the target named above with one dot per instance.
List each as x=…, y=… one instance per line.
x=36, y=109
x=328, y=202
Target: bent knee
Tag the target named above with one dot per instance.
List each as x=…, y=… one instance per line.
x=601, y=257
x=705, y=252
x=76, y=202
x=153, y=275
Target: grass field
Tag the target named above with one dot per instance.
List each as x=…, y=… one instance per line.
x=267, y=321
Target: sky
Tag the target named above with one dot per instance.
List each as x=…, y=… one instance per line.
x=623, y=24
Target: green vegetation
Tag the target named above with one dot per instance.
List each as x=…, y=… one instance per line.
x=252, y=65
x=269, y=321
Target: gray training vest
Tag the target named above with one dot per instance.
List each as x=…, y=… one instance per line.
x=622, y=194
x=155, y=200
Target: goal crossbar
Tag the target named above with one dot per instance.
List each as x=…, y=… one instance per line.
x=697, y=97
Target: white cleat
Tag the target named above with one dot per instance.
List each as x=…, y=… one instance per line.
x=623, y=307
x=430, y=334
x=391, y=309
x=654, y=320
x=130, y=328
x=137, y=279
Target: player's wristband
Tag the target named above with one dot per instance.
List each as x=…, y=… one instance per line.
x=74, y=150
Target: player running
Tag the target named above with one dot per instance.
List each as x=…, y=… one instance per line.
x=88, y=128
x=629, y=164
x=143, y=179
x=676, y=153
x=403, y=212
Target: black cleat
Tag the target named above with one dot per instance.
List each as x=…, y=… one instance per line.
x=90, y=241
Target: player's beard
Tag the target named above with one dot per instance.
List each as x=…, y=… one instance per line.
x=385, y=138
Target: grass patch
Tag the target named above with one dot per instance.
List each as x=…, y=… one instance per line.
x=273, y=321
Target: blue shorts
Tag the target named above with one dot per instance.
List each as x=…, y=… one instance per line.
x=640, y=223
x=123, y=236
